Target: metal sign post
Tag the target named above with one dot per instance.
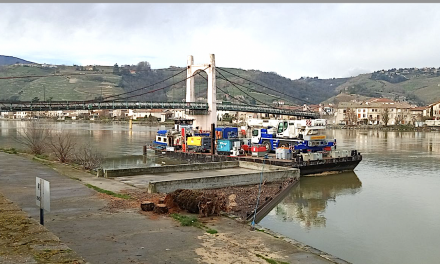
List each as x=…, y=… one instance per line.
x=43, y=197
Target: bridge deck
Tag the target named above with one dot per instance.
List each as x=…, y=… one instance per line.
x=197, y=108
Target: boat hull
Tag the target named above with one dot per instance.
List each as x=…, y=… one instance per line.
x=348, y=165
x=306, y=168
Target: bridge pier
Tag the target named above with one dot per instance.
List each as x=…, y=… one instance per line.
x=203, y=121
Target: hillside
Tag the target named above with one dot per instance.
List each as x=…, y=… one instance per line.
x=89, y=82
x=69, y=87
x=419, y=86
x=9, y=60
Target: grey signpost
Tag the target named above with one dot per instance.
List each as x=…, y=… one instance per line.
x=43, y=197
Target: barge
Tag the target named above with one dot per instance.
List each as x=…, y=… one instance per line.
x=297, y=143
x=309, y=167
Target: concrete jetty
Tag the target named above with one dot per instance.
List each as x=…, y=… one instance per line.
x=165, y=179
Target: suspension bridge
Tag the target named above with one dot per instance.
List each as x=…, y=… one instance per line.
x=203, y=113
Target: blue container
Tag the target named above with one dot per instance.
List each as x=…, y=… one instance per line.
x=224, y=145
x=226, y=132
x=230, y=132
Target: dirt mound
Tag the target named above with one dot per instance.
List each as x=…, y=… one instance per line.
x=195, y=201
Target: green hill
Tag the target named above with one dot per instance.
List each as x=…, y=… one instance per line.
x=9, y=60
x=419, y=86
x=140, y=82
x=86, y=83
x=69, y=86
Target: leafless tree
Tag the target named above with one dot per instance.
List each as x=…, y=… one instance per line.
x=398, y=119
x=34, y=137
x=62, y=145
x=88, y=158
x=350, y=116
x=386, y=116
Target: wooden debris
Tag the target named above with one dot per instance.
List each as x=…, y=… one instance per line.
x=160, y=209
x=147, y=206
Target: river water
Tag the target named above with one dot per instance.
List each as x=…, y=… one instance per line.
x=386, y=211
x=120, y=146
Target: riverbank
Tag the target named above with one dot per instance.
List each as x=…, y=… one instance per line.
x=82, y=218
x=403, y=128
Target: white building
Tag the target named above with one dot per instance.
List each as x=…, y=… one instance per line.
x=377, y=111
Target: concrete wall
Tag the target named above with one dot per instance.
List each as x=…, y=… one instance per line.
x=261, y=166
x=170, y=168
x=269, y=175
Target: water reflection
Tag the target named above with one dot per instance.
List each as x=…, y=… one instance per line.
x=389, y=215
x=387, y=141
x=307, y=202
x=120, y=146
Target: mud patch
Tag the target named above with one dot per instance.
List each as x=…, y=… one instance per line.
x=226, y=248
x=23, y=240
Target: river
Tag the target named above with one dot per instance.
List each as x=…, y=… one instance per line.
x=120, y=146
x=386, y=211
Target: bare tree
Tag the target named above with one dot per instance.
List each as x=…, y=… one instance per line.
x=398, y=119
x=350, y=116
x=88, y=158
x=62, y=145
x=386, y=116
x=34, y=137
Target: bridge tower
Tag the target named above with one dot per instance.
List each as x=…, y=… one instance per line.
x=202, y=121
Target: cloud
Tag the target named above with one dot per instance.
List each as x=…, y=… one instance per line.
x=294, y=40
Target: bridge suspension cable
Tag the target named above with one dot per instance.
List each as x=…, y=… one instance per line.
x=244, y=91
x=155, y=90
x=148, y=86
x=264, y=86
x=293, y=104
x=238, y=99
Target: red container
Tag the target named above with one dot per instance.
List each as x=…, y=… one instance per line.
x=245, y=147
x=258, y=149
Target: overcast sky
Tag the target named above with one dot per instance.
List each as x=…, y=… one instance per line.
x=293, y=40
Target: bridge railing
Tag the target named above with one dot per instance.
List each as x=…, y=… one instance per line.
x=259, y=109
x=203, y=107
x=65, y=105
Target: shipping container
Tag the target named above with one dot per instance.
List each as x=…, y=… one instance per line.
x=224, y=146
x=194, y=141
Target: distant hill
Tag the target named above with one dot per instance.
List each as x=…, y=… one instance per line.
x=419, y=86
x=9, y=60
x=416, y=85
x=95, y=81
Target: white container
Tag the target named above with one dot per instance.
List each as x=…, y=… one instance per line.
x=305, y=156
x=316, y=156
x=282, y=153
x=345, y=153
x=335, y=154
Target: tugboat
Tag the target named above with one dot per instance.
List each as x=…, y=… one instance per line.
x=173, y=137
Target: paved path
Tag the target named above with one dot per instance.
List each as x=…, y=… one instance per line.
x=78, y=219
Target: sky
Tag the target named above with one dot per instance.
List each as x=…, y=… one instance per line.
x=292, y=39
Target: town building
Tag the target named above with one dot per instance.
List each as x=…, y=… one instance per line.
x=377, y=111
